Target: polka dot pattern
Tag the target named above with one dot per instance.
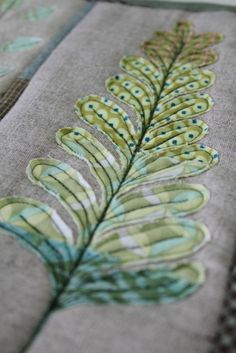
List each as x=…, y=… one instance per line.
x=144, y=70
x=182, y=46
x=176, y=162
x=176, y=134
x=110, y=119
x=186, y=82
x=135, y=93
x=183, y=107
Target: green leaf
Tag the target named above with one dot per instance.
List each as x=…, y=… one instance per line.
x=170, y=164
x=40, y=228
x=143, y=70
x=39, y=13
x=8, y=4
x=167, y=49
x=20, y=44
x=144, y=203
x=102, y=163
x=134, y=93
x=97, y=282
x=179, y=133
x=162, y=240
x=182, y=82
x=68, y=185
x=181, y=108
x=111, y=120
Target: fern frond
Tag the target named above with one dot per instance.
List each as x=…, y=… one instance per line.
x=128, y=241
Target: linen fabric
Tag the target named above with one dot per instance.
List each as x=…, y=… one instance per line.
x=78, y=67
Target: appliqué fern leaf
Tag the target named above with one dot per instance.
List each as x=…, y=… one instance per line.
x=133, y=244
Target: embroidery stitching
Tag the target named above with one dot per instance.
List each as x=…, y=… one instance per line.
x=127, y=238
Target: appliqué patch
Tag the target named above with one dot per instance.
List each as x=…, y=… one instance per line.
x=127, y=239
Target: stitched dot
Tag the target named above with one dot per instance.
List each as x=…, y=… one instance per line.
x=122, y=97
x=173, y=104
x=147, y=69
x=117, y=77
x=174, y=142
x=163, y=133
x=183, y=112
x=199, y=107
x=147, y=139
x=126, y=84
x=186, y=152
x=206, y=81
x=179, y=127
x=215, y=155
x=76, y=133
x=137, y=91
x=194, y=121
x=116, y=109
x=191, y=136
x=110, y=124
x=191, y=85
x=90, y=106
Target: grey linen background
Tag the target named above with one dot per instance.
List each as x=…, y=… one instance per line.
x=79, y=66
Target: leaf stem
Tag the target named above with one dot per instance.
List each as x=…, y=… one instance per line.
x=55, y=300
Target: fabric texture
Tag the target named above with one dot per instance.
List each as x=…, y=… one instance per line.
x=192, y=5
x=29, y=32
x=25, y=294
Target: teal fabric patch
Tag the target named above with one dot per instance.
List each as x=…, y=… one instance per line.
x=20, y=44
x=7, y=4
x=39, y=13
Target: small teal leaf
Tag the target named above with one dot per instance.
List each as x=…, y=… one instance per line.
x=7, y=4
x=21, y=44
x=39, y=13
